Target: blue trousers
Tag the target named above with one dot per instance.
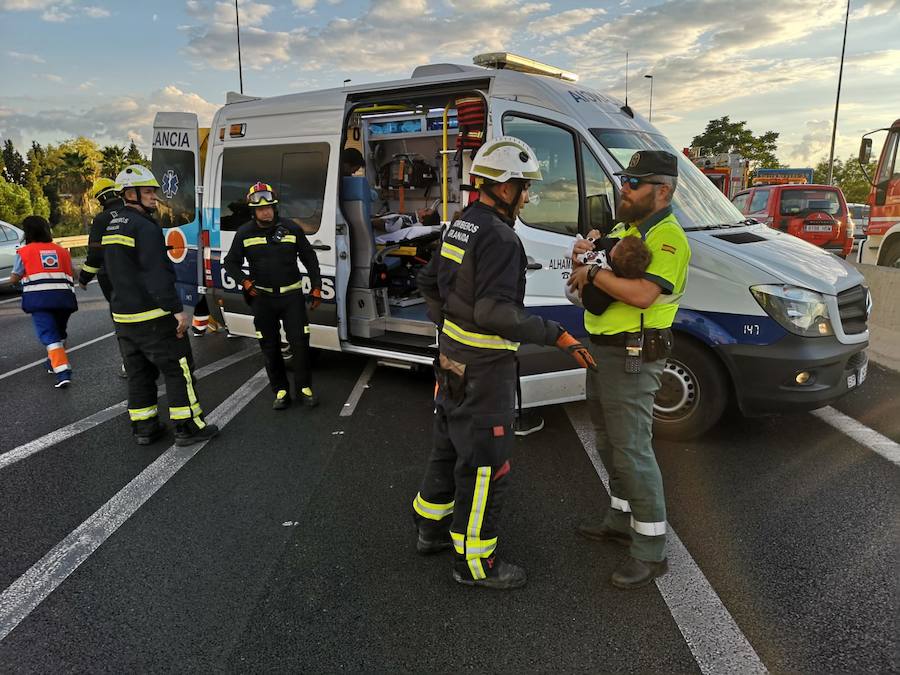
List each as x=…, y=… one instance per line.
x=50, y=325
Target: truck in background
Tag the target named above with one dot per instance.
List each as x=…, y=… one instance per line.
x=882, y=244
x=728, y=171
x=782, y=177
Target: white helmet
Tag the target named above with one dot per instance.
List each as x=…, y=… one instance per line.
x=505, y=158
x=136, y=175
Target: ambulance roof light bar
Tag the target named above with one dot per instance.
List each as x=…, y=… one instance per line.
x=522, y=64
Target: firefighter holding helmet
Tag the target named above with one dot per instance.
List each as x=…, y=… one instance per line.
x=274, y=289
x=475, y=287
x=150, y=319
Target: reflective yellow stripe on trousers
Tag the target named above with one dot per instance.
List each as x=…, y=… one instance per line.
x=431, y=510
x=192, y=397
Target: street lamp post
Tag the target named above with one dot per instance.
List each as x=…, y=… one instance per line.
x=237, y=21
x=650, y=117
x=837, y=100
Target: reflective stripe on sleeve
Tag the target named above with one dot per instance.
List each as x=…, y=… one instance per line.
x=140, y=316
x=431, y=510
x=619, y=504
x=480, y=340
x=138, y=414
x=89, y=269
x=451, y=252
x=120, y=239
x=648, y=529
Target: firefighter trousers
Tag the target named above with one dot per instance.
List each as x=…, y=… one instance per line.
x=270, y=313
x=149, y=348
x=468, y=470
x=621, y=409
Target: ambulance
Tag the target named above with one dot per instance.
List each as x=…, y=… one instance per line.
x=768, y=322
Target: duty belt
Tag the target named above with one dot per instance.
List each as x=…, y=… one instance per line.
x=619, y=339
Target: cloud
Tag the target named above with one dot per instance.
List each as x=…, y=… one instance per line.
x=51, y=77
x=222, y=13
x=875, y=8
x=56, y=15
x=96, y=12
x=561, y=23
x=305, y=5
x=18, y=56
x=114, y=121
x=25, y=5
x=815, y=143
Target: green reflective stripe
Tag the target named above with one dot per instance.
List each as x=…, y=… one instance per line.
x=289, y=239
x=140, y=316
x=192, y=397
x=459, y=542
x=258, y=335
x=138, y=414
x=263, y=288
x=454, y=253
x=476, y=569
x=490, y=171
x=480, y=340
x=292, y=287
x=480, y=548
x=89, y=269
x=431, y=510
x=180, y=412
x=254, y=241
x=306, y=329
x=533, y=175
x=479, y=502
x=117, y=239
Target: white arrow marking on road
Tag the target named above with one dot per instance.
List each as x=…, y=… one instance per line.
x=68, y=350
x=860, y=433
x=709, y=630
x=45, y=576
x=91, y=421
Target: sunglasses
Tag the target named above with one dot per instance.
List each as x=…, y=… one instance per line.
x=634, y=182
x=262, y=195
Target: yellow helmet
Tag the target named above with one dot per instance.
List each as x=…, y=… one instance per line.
x=261, y=194
x=136, y=175
x=103, y=186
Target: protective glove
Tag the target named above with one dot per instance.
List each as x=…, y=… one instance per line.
x=316, y=296
x=249, y=288
x=576, y=350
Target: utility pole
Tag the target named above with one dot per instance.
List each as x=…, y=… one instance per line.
x=237, y=21
x=837, y=100
x=650, y=117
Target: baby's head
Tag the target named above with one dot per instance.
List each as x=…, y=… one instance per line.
x=630, y=258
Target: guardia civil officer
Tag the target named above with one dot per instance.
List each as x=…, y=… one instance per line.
x=105, y=191
x=149, y=317
x=274, y=290
x=630, y=341
x=475, y=288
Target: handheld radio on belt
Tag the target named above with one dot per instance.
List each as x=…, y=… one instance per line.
x=634, y=347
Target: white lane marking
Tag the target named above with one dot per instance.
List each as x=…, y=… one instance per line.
x=42, y=578
x=91, y=421
x=358, y=388
x=709, y=630
x=860, y=433
x=68, y=350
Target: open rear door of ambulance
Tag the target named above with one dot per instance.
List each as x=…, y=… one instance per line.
x=176, y=161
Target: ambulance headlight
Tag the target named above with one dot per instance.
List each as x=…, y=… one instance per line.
x=799, y=310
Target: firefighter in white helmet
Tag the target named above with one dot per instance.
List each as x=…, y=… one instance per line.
x=149, y=317
x=475, y=286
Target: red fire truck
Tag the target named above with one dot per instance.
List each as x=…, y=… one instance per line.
x=882, y=244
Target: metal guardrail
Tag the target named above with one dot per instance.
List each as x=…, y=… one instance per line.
x=72, y=242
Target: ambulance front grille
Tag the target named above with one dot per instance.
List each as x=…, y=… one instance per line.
x=852, y=309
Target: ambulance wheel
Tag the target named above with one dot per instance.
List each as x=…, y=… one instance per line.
x=693, y=392
x=891, y=256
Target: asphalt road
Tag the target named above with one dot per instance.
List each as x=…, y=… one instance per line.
x=286, y=543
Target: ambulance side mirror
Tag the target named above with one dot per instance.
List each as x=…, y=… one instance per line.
x=599, y=213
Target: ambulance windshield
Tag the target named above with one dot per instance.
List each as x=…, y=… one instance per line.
x=697, y=202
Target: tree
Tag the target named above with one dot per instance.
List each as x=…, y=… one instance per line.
x=134, y=155
x=15, y=203
x=13, y=164
x=723, y=136
x=77, y=177
x=848, y=176
x=114, y=160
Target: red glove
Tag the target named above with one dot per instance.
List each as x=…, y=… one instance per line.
x=576, y=350
x=316, y=296
x=249, y=288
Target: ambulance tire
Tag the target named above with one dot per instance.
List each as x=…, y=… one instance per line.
x=693, y=394
x=891, y=255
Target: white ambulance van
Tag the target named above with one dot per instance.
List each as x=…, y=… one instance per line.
x=768, y=321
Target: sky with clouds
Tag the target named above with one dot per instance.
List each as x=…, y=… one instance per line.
x=103, y=68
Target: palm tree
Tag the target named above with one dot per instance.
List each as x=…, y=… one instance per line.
x=113, y=160
x=77, y=173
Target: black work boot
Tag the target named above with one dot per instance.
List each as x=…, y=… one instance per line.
x=147, y=431
x=600, y=532
x=282, y=400
x=501, y=575
x=433, y=542
x=188, y=433
x=310, y=400
x=634, y=573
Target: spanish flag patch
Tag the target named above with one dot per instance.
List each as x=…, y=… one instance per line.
x=668, y=248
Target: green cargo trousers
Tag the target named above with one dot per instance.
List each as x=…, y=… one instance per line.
x=621, y=409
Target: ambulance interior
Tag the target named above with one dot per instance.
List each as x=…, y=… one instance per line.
x=414, y=178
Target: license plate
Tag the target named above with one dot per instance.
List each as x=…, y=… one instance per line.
x=817, y=228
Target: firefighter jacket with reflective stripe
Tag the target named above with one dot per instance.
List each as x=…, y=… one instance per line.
x=475, y=288
x=93, y=264
x=141, y=274
x=272, y=254
x=47, y=281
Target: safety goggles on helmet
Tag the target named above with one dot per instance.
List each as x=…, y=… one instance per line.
x=261, y=198
x=634, y=182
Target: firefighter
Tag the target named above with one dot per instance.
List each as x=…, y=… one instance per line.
x=105, y=191
x=274, y=290
x=631, y=340
x=475, y=286
x=149, y=317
